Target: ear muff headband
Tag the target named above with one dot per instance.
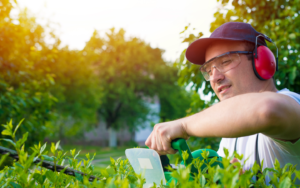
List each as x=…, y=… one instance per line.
x=264, y=63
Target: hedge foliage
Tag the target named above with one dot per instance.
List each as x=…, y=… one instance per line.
x=119, y=173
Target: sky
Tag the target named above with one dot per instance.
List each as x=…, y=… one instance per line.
x=157, y=22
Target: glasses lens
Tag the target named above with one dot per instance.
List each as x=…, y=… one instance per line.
x=205, y=70
x=228, y=62
x=223, y=64
x=205, y=75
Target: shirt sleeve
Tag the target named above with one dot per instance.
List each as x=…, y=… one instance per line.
x=291, y=94
x=288, y=147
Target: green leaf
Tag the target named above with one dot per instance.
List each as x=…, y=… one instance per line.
x=17, y=127
x=30, y=159
x=10, y=125
x=6, y=132
x=57, y=144
x=132, y=178
x=73, y=152
x=39, y=178
x=112, y=161
x=15, y=185
x=104, y=173
x=205, y=154
x=23, y=178
x=239, y=157
x=212, y=160
x=2, y=175
x=292, y=75
x=77, y=154
x=182, y=56
x=78, y=164
x=43, y=148
x=9, y=141
x=202, y=180
x=46, y=157
x=266, y=170
x=255, y=168
x=70, y=161
x=110, y=170
x=53, y=150
x=19, y=165
x=21, y=141
x=226, y=152
x=285, y=183
x=87, y=156
x=277, y=165
x=216, y=177
x=51, y=176
x=79, y=177
x=3, y=158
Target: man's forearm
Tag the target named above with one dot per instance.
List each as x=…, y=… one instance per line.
x=235, y=117
x=272, y=114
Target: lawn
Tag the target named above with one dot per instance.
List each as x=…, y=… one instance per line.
x=102, y=157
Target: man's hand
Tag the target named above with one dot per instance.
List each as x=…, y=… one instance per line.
x=235, y=160
x=162, y=135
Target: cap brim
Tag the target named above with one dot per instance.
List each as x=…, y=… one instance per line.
x=195, y=53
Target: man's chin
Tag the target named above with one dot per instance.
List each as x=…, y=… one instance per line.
x=224, y=97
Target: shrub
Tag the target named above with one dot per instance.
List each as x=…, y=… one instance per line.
x=27, y=170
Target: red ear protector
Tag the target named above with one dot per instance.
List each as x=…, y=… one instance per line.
x=263, y=60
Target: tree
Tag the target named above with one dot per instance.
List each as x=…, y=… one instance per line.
x=175, y=101
x=24, y=87
x=78, y=92
x=278, y=19
x=132, y=73
x=47, y=85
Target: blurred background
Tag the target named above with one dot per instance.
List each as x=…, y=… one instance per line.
x=98, y=75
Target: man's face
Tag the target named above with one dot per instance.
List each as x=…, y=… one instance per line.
x=236, y=81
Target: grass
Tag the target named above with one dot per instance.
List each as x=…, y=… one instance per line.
x=102, y=154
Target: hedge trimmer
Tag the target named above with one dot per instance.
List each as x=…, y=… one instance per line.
x=155, y=167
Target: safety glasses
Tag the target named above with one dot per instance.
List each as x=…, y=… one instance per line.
x=222, y=63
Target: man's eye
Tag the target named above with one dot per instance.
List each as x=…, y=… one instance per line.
x=226, y=62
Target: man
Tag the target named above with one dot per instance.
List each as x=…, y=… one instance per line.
x=251, y=109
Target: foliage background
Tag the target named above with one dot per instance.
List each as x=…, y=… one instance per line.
x=63, y=93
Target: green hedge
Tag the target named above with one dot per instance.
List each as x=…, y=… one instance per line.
x=23, y=173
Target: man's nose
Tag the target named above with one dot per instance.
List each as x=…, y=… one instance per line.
x=216, y=76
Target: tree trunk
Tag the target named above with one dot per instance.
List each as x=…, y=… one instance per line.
x=112, y=137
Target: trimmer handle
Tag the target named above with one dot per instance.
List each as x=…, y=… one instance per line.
x=181, y=145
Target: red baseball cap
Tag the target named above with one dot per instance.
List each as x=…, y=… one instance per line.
x=230, y=31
